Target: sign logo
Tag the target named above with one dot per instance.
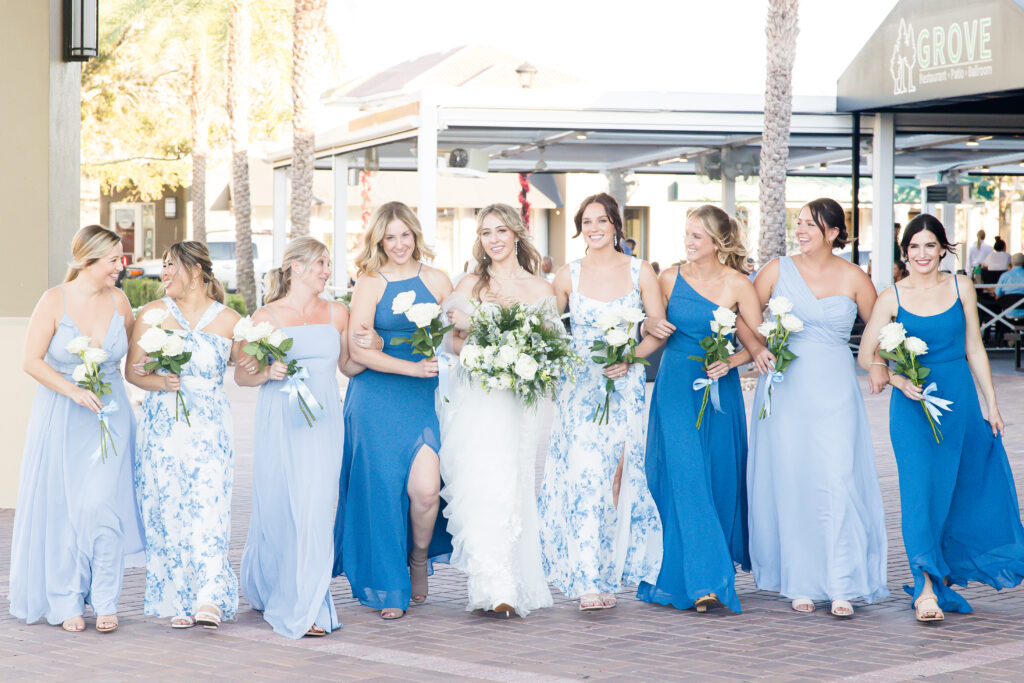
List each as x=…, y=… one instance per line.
x=959, y=50
x=904, y=59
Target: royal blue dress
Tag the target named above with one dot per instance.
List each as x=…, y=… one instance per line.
x=697, y=477
x=286, y=564
x=817, y=525
x=960, y=516
x=388, y=419
x=76, y=525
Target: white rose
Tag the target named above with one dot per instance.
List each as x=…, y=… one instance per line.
x=242, y=328
x=260, y=331
x=791, y=322
x=719, y=328
x=616, y=337
x=174, y=345
x=632, y=315
x=154, y=316
x=504, y=381
x=724, y=317
x=891, y=336
x=916, y=346
x=94, y=355
x=77, y=345
x=79, y=374
x=492, y=383
x=607, y=321
x=506, y=356
x=276, y=338
x=471, y=356
x=403, y=302
x=422, y=314
x=766, y=328
x=526, y=367
x=780, y=305
x=153, y=340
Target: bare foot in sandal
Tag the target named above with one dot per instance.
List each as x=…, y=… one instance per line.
x=390, y=613
x=74, y=624
x=106, y=623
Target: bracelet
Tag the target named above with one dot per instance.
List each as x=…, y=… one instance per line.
x=875, y=362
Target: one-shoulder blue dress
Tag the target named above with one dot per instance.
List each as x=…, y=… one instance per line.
x=961, y=520
x=388, y=419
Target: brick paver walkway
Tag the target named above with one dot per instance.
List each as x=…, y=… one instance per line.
x=440, y=640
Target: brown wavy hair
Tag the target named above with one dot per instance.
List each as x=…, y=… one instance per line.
x=611, y=209
x=526, y=254
x=88, y=246
x=189, y=255
x=725, y=234
x=372, y=257
x=304, y=250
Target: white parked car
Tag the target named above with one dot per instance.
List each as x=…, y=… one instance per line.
x=222, y=254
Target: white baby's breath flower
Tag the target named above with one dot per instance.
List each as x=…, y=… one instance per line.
x=766, y=328
x=153, y=340
x=155, y=316
x=608, y=320
x=526, y=367
x=77, y=345
x=174, y=345
x=779, y=305
x=916, y=346
x=632, y=315
x=79, y=374
x=242, y=328
x=616, y=337
x=791, y=322
x=891, y=336
x=94, y=355
x=403, y=302
x=276, y=338
x=422, y=314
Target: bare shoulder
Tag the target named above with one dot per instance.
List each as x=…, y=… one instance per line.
x=262, y=314
x=368, y=283
x=339, y=313
x=121, y=303
x=668, y=275
x=51, y=303
x=539, y=287
x=467, y=283
x=966, y=287
x=770, y=269
x=435, y=276
x=228, y=315
x=739, y=282
x=157, y=305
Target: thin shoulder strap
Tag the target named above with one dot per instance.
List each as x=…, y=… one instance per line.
x=176, y=313
x=574, y=274
x=209, y=315
x=419, y=269
x=113, y=300
x=271, y=312
x=383, y=276
x=896, y=288
x=957, y=283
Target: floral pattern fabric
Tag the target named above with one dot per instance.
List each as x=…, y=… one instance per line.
x=183, y=479
x=590, y=544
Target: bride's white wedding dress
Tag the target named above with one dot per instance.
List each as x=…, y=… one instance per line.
x=488, y=467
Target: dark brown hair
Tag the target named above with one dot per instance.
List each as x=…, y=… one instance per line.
x=611, y=209
x=922, y=222
x=190, y=254
x=826, y=214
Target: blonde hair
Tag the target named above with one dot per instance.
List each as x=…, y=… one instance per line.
x=302, y=250
x=372, y=257
x=725, y=234
x=190, y=254
x=89, y=246
x=526, y=254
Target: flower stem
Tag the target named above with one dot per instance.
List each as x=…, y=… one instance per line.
x=703, y=405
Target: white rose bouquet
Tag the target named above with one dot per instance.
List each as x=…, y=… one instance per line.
x=896, y=346
x=618, y=345
x=268, y=344
x=167, y=350
x=717, y=347
x=517, y=348
x=776, y=333
x=88, y=376
x=426, y=317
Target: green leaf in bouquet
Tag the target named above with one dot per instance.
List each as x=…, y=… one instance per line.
x=251, y=348
x=286, y=345
x=699, y=359
x=707, y=343
x=888, y=355
x=395, y=341
x=923, y=372
x=151, y=365
x=185, y=357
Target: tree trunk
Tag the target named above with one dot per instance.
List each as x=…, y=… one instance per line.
x=238, y=113
x=199, y=87
x=780, y=30
x=307, y=25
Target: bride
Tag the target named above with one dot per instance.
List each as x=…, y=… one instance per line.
x=489, y=440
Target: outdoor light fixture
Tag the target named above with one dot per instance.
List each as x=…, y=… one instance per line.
x=581, y=136
x=170, y=207
x=526, y=72
x=81, y=30
x=353, y=176
x=972, y=143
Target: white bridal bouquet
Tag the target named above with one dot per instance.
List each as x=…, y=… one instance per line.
x=426, y=317
x=268, y=344
x=88, y=376
x=516, y=348
x=776, y=333
x=896, y=346
x=618, y=345
x=167, y=350
x=717, y=347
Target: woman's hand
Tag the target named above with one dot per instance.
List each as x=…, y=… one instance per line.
x=277, y=371
x=140, y=367
x=764, y=360
x=459, y=318
x=426, y=368
x=249, y=365
x=172, y=382
x=367, y=338
x=86, y=399
x=996, y=420
x=659, y=328
x=878, y=377
x=909, y=389
x=718, y=369
x=617, y=371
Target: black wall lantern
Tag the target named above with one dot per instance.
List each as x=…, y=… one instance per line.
x=81, y=30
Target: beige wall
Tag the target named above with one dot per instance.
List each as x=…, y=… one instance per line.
x=39, y=196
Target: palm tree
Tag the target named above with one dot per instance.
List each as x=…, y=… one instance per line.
x=780, y=31
x=198, y=101
x=238, y=112
x=307, y=26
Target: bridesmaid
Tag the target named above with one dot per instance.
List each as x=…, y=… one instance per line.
x=286, y=564
x=184, y=471
x=698, y=476
x=387, y=525
x=961, y=521
x=76, y=521
x=599, y=526
x=817, y=527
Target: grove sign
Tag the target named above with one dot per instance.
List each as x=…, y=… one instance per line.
x=936, y=49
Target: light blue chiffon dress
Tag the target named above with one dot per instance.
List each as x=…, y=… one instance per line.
x=76, y=525
x=817, y=526
x=286, y=564
x=389, y=418
x=697, y=476
x=961, y=520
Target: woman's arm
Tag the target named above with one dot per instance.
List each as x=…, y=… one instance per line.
x=365, y=297
x=977, y=358
x=653, y=296
x=562, y=285
x=244, y=377
x=764, y=286
x=865, y=297
x=348, y=367
x=882, y=314
x=150, y=381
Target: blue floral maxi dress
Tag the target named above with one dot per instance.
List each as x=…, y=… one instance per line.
x=590, y=545
x=183, y=480
x=286, y=564
x=76, y=526
x=961, y=520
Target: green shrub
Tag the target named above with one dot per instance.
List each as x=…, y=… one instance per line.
x=237, y=303
x=141, y=290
